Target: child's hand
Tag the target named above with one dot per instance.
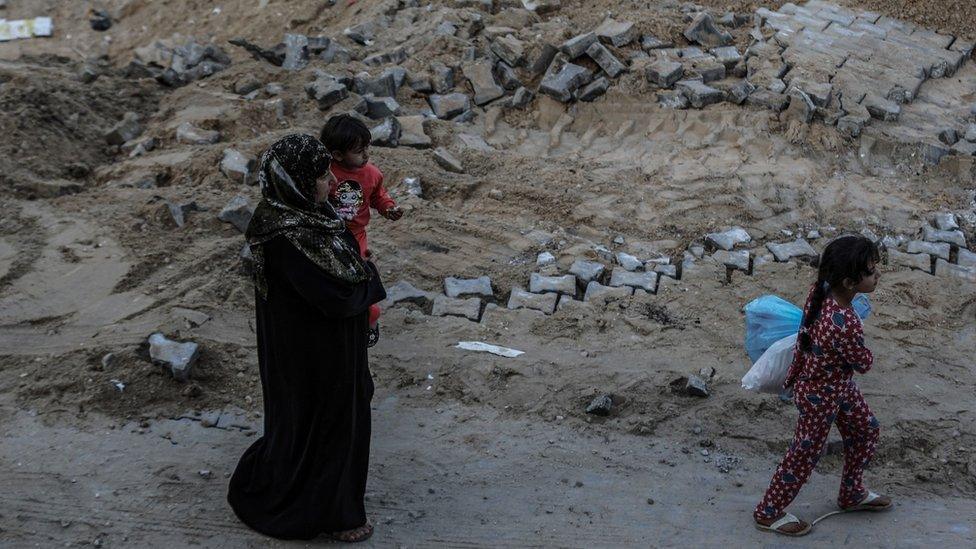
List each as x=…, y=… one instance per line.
x=393, y=213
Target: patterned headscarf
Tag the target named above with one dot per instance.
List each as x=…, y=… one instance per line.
x=288, y=172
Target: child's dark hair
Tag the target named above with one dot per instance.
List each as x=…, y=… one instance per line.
x=846, y=257
x=344, y=133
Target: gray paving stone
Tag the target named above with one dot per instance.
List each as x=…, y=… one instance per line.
x=727, y=55
x=629, y=262
x=616, y=33
x=945, y=221
x=563, y=79
x=521, y=299
x=594, y=89
x=482, y=80
x=448, y=161
x=664, y=73
x=930, y=234
x=699, y=95
x=586, y=270
x=703, y=30
x=672, y=99
x=598, y=293
x=565, y=284
x=448, y=306
x=405, y=292
x=458, y=287
x=509, y=49
x=237, y=212
x=650, y=42
x=789, y=250
x=737, y=259
x=448, y=106
x=967, y=258
x=606, y=60
x=945, y=269
x=644, y=280
x=577, y=46
x=727, y=240
x=881, y=108
x=937, y=249
x=921, y=262
x=768, y=100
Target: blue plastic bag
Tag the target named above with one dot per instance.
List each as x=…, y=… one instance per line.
x=771, y=318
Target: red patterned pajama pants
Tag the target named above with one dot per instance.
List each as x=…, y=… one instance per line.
x=822, y=404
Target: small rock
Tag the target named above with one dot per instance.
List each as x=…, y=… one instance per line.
x=727, y=55
x=587, y=271
x=768, y=100
x=446, y=160
x=363, y=34
x=180, y=357
x=704, y=31
x=327, y=92
x=237, y=166
x=247, y=84
x=413, y=186
x=378, y=108
x=127, y=129
x=521, y=99
x=506, y=76
x=386, y=134
x=601, y=406
x=696, y=386
x=739, y=92
x=458, y=287
x=412, y=132
x=237, y=212
x=99, y=20
x=629, y=262
x=190, y=134
x=545, y=259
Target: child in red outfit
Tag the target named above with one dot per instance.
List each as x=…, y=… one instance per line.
x=358, y=186
x=829, y=349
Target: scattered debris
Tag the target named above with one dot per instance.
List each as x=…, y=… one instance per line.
x=480, y=346
x=180, y=357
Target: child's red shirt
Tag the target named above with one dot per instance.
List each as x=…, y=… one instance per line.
x=356, y=210
x=836, y=346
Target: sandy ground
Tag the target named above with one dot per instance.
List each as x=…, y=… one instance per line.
x=469, y=449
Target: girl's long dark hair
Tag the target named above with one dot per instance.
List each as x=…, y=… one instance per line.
x=845, y=257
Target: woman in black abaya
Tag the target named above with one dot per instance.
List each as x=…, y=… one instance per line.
x=307, y=475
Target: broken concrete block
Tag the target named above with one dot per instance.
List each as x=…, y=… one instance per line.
x=586, y=270
x=237, y=212
x=945, y=269
x=738, y=259
x=449, y=106
x=506, y=76
x=521, y=99
x=237, y=166
x=383, y=85
x=801, y=107
x=542, y=59
x=820, y=93
x=606, y=60
x=420, y=83
x=180, y=357
x=664, y=73
x=394, y=57
x=448, y=161
x=127, y=129
x=563, y=79
x=412, y=133
x=363, y=33
x=738, y=92
x=544, y=259
x=441, y=77
x=482, y=80
x=704, y=31
x=448, y=306
x=598, y=293
x=616, y=33
x=728, y=239
x=964, y=148
x=457, y=287
x=769, y=100
x=956, y=237
x=629, y=262
x=509, y=49
x=326, y=92
x=726, y=55
x=696, y=386
x=940, y=250
x=577, y=46
x=649, y=42
x=188, y=133
x=646, y=281
x=386, y=134
x=699, y=95
x=949, y=136
x=405, y=292
x=882, y=109
x=787, y=251
x=520, y=299
x=921, y=262
x=594, y=89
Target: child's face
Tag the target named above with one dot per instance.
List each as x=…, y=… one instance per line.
x=870, y=281
x=356, y=158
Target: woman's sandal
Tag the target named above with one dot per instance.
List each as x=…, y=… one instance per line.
x=786, y=519
x=869, y=503
x=355, y=535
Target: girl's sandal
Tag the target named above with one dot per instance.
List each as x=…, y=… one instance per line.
x=871, y=502
x=372, y=336
x=355, y=535
x=786, y=519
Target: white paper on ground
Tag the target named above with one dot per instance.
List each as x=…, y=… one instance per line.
x=489, y=348
x=25, y=28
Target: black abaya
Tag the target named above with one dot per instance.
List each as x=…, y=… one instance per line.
x=307, y=474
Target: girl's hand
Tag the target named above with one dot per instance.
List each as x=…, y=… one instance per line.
x=394, y=213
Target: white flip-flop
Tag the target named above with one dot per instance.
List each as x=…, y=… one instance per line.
x=788, y=518
x=865, y=504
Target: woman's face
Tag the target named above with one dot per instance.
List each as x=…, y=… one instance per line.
x=322, y=186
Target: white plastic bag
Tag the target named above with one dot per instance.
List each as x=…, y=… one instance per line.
x=768, y=374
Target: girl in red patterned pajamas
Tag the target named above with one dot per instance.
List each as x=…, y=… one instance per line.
x=829, y=349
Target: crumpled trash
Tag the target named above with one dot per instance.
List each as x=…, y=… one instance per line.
x=481, y=346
